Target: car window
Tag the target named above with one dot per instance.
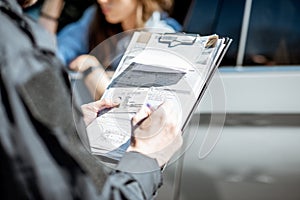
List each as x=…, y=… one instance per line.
x=273, y=31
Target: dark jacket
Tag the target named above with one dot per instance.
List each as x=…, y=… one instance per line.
x=43, y=146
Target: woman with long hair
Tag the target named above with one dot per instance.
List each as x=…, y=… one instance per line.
x=103, y=20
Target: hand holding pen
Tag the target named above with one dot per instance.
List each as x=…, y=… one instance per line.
x=156, y=133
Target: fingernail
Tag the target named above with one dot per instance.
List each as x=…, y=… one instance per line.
x=117, y=100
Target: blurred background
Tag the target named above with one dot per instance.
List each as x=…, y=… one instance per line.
x=257, y=154
x=253, y=101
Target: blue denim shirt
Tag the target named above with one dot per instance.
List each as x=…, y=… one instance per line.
x=73, y=40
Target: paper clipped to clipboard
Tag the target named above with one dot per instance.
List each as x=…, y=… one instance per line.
x=155, y=67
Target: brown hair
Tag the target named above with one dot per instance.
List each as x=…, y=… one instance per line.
x=24, y=3
x=100, y=29
x=147, y=7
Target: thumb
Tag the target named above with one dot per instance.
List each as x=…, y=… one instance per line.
x=107, y=103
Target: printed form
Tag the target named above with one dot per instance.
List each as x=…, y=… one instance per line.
x=155, y=67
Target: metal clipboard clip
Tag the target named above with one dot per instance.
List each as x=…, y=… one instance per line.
x=175, y=39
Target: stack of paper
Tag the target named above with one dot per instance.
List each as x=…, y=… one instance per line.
x=155, y=67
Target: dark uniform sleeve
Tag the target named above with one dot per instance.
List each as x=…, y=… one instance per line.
x=136, y=177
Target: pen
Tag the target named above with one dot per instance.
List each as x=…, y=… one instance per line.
x=133, y=127
x=103, y=111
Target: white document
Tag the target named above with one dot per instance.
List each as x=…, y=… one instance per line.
x=155, y=67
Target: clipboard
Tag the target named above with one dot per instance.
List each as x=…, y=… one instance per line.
x=156, y=67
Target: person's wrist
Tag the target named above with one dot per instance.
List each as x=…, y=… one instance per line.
x=160, y=162
x=88, y=71
x=48, y=16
